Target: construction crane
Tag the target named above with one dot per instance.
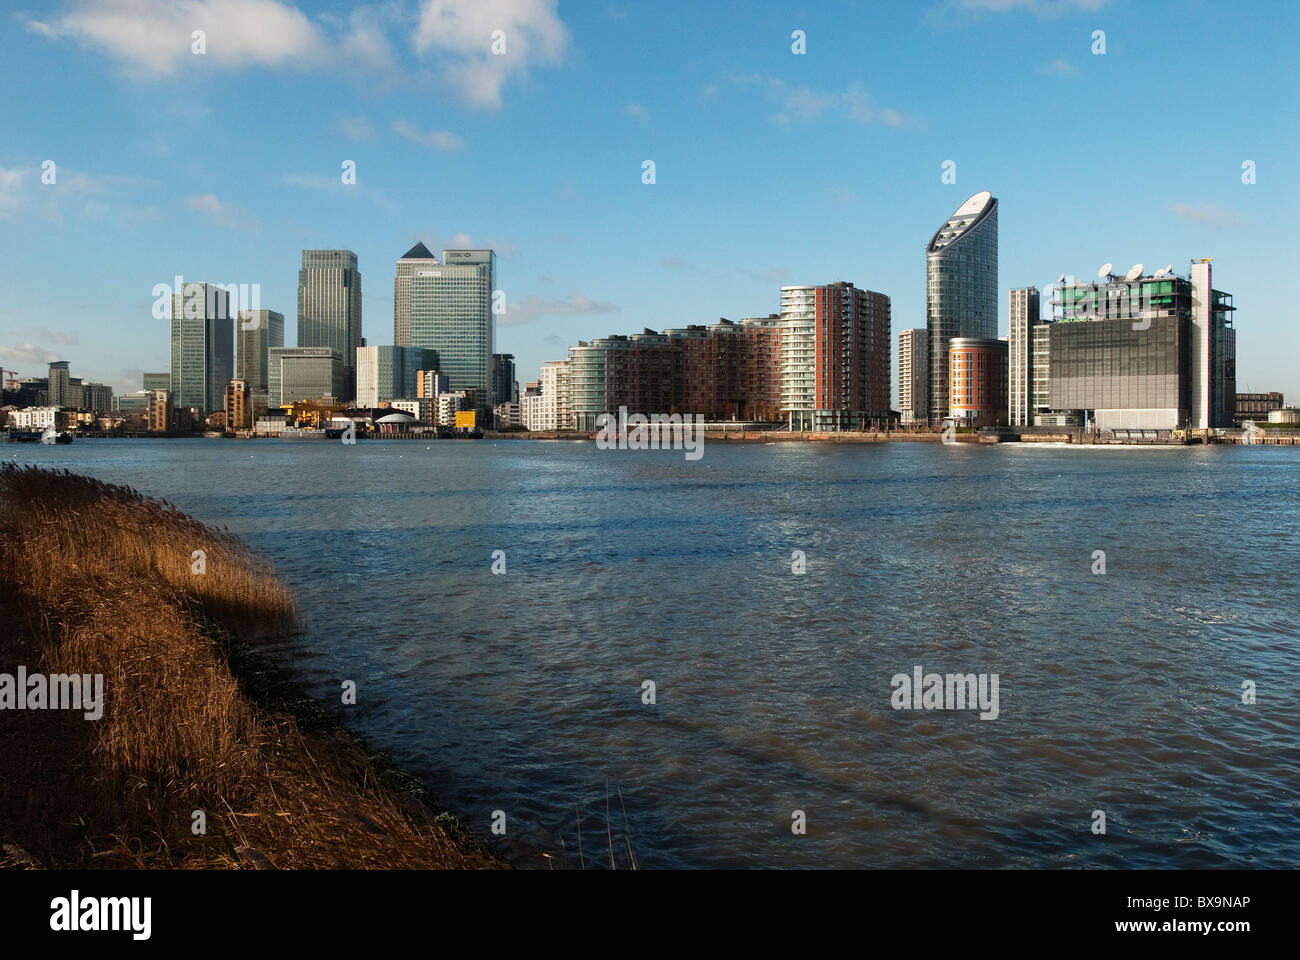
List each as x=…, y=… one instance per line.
x=9, y=383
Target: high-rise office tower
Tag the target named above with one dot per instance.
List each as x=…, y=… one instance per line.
x=60, y=390
x=448, y=307
x=258, y=332
x=203, y=347
x=1024, y=313
x=329, y=307
x=834, y=357
x=913, y=375
x=418, y=261
x=156, y=381
x=97, y=397
x=961, y=288
x=505, y=389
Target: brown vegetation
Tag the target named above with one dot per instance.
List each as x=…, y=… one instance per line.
x=96, y=579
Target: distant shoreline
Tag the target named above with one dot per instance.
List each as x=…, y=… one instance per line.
x=1288, y=438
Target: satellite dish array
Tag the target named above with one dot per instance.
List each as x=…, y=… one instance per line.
x=1107, y=272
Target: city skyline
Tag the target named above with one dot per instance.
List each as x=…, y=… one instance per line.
x=585, y=245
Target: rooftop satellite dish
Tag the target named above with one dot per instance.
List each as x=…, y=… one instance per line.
x=1161, y=272
x=1169, y=269
x=1104, y=272
x=1061, y=279
x=1134, y=272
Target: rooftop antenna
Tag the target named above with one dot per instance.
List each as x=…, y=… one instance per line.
x=1134, y=272
x=1105, y=271
x=1061, y=279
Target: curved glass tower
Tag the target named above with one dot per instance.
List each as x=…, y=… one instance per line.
x=961, y=287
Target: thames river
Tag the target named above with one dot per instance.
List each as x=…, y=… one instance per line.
x=1163, y=692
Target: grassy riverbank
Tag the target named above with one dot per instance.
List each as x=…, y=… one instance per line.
x=95, y=579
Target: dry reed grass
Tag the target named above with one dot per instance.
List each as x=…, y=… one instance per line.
x=95, y=578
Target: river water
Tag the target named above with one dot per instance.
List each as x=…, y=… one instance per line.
x=523, y=692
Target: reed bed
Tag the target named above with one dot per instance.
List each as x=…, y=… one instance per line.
x=97, y=579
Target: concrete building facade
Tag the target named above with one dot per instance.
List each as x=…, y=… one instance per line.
x=913, y=376
x=1024, y=310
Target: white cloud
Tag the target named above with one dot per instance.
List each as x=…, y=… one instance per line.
x=27, y=355
x=365, y=40
x=532, y=307
x=356, y=128
x=73, y=191
x=334, y=184
x=205, y=203
x=802, y=102
x=1059, y=67
x=460, y=36
x=46, y=335
x=155, y=37
x=1208, y=215
x=437, y=139
x=226, y=214
x=10, y=199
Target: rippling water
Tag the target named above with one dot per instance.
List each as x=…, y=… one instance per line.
x=522, y=693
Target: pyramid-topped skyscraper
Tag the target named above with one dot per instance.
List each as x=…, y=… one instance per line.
x=447, y=306
x=417, y=259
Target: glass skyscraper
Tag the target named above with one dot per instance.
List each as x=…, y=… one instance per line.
x=419, y=260
x=329, y=307
x=259, y=332
x=961, y=288
x=505, y=389
x=203, y=342
x=304, y=373
x=447, y=307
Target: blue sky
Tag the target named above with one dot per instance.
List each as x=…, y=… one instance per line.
x=770, y=167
